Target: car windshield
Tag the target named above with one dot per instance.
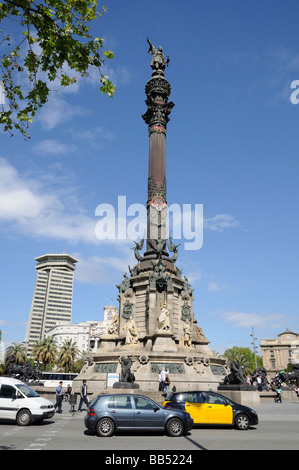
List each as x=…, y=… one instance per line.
x=199, y=397
x=27, y=391
x=191, y=397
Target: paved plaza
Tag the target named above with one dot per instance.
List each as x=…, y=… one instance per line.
x=278, y=430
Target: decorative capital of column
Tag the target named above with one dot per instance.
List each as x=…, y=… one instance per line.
x=156, y=115
x=157, y=90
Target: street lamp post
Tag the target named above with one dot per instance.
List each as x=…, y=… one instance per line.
x=254, y=347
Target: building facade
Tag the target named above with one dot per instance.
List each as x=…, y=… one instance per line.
x=52, y=297
x=278, y=353
x=86, y=335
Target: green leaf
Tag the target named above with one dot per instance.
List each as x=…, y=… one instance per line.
x=56, y=33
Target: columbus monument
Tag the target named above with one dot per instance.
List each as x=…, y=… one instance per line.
x=155, y=325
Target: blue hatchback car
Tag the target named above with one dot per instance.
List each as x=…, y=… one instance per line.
x=109, y=413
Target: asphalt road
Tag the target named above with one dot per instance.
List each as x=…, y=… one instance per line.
x=278, y=429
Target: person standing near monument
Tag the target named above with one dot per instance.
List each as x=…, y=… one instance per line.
x=162, y=376
x=59, y=396
x=166, y=384
x=84, y=397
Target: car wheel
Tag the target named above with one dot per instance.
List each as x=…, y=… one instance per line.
x=175, y=427
x=24, y=418
x=242, y=422
x=105, y=427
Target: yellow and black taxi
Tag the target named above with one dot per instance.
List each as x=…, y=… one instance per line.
x=212, y=408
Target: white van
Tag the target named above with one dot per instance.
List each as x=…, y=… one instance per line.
x=20, y=403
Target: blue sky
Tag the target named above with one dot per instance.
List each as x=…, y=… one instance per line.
x=232, y=145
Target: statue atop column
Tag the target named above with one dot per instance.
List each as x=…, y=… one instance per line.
x=158, y=61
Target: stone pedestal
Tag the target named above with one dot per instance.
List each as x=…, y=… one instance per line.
x=126, y=386
x=237, y=388
x=163, y=342
x=249, y=398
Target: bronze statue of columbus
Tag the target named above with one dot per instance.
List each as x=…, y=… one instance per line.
x=158, y=61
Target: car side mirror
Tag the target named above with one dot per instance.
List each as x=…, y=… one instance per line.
x=156, y=408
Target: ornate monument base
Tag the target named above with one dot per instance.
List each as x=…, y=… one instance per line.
x=190, y=368
x=156, y=328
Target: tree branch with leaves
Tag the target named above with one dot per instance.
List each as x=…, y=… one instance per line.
x=55, y=35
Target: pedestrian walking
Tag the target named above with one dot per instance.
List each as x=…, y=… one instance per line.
x=278, y=398
x=84, y=397
x=59, y=397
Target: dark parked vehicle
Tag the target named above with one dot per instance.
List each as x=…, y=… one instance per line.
x=110, y=413
x=212, y=408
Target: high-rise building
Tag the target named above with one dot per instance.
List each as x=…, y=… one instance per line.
x=52, y=297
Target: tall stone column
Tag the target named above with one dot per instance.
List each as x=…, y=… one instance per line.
x=157, y=90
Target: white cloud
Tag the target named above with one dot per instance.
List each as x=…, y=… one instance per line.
x=56, y=111
x=100, y=270
x=53, y=147
x=215, y=287
x=259, y=320
x=220, y=222
x=18, y=199
x=194, y=276
x=94, y=137
x=41, y=208
x=37, y=211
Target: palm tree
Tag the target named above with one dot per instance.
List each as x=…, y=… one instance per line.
x=68, y=354
x=18, y=350
x=235, y=355
x=45, y=351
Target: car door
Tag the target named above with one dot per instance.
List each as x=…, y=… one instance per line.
x=219, y=411
x=148, y=414
x=8, y=402
x=121, y=409
x=197, y=408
